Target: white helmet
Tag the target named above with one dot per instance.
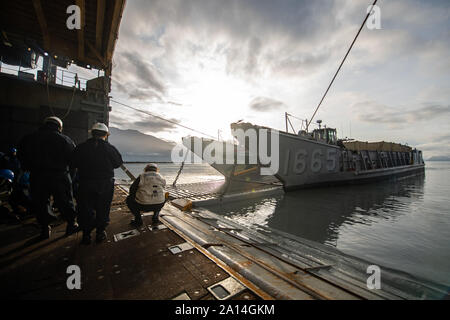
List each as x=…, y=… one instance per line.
x=151, y=167
x=55, y=120
x=100, y=127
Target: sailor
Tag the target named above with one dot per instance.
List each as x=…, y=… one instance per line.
x=46, y=154
x=147, y=194
x=10, y=161
x=6, y=182
x=95, y=160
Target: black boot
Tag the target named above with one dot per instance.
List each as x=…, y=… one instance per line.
x=137, y=222
x=72, y=228
x=155, y=218
x=86, y=240
x=45, y=232
x=101, y=236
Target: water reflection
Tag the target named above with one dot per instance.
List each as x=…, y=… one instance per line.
x=319, y=214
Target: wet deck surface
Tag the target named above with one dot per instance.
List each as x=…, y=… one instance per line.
x=139, y=267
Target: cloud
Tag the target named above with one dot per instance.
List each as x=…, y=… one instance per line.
x=144, y=94
x=439, y=146
x=263, y=104
x=146, y=74
x=252, y=35
x=137, y=78
x=190, y=51
x=245, y=62
x=376, y=113
x=152, y=124
x=302, y=64
x=144, y=123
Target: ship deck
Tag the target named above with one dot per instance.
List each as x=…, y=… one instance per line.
x=137, y=267
x=194, y=255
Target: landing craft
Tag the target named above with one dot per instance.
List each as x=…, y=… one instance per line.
x=314, y=158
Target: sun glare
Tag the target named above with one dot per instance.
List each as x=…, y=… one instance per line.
x=215, y=99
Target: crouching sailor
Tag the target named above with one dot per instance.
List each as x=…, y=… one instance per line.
x=147, y=194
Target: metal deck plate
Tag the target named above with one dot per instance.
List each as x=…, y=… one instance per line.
x=180, y=248
x=158, y=227
x=126, y=235
x=146, y=214
x=226, y=289
x=183, y=296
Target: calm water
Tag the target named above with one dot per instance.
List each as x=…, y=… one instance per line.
x=405, y=225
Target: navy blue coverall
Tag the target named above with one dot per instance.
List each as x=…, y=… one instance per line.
x=46, y=154
x=95, y=160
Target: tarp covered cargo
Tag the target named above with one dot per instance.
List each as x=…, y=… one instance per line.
x=376, y=146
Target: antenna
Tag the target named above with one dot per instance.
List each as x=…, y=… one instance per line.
x=319, y=122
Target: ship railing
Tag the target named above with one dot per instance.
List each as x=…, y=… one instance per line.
x=63, y=77
x=70, y=79
x=365, y=160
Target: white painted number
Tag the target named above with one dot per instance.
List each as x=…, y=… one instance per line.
x=331, y=159
x=300, y=161
x=316, y=161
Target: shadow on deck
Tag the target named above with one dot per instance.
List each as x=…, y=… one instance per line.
x=137, y=267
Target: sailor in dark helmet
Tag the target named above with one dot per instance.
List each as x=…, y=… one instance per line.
x=6, y=182
x=147, y=194
x=46, y=154
x=10, y=161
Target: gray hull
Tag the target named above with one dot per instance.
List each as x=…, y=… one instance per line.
x=306, y=163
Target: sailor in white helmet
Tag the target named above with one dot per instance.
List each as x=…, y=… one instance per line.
x=95, y=160
x=147, y=194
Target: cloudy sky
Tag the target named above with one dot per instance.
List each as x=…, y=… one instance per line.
x=208, y=63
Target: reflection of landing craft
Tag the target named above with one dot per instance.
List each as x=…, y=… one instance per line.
x=331, y=209
x=343, y=205
x=311, y=158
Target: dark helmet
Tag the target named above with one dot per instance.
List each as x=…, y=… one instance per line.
x=6, y=174
x=6, y=178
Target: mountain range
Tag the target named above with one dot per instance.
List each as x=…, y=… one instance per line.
x=136, y=146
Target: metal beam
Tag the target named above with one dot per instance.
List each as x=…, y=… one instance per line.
x=42, y=23
x=97, y=54
x=119, y=5
x=99, y=24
